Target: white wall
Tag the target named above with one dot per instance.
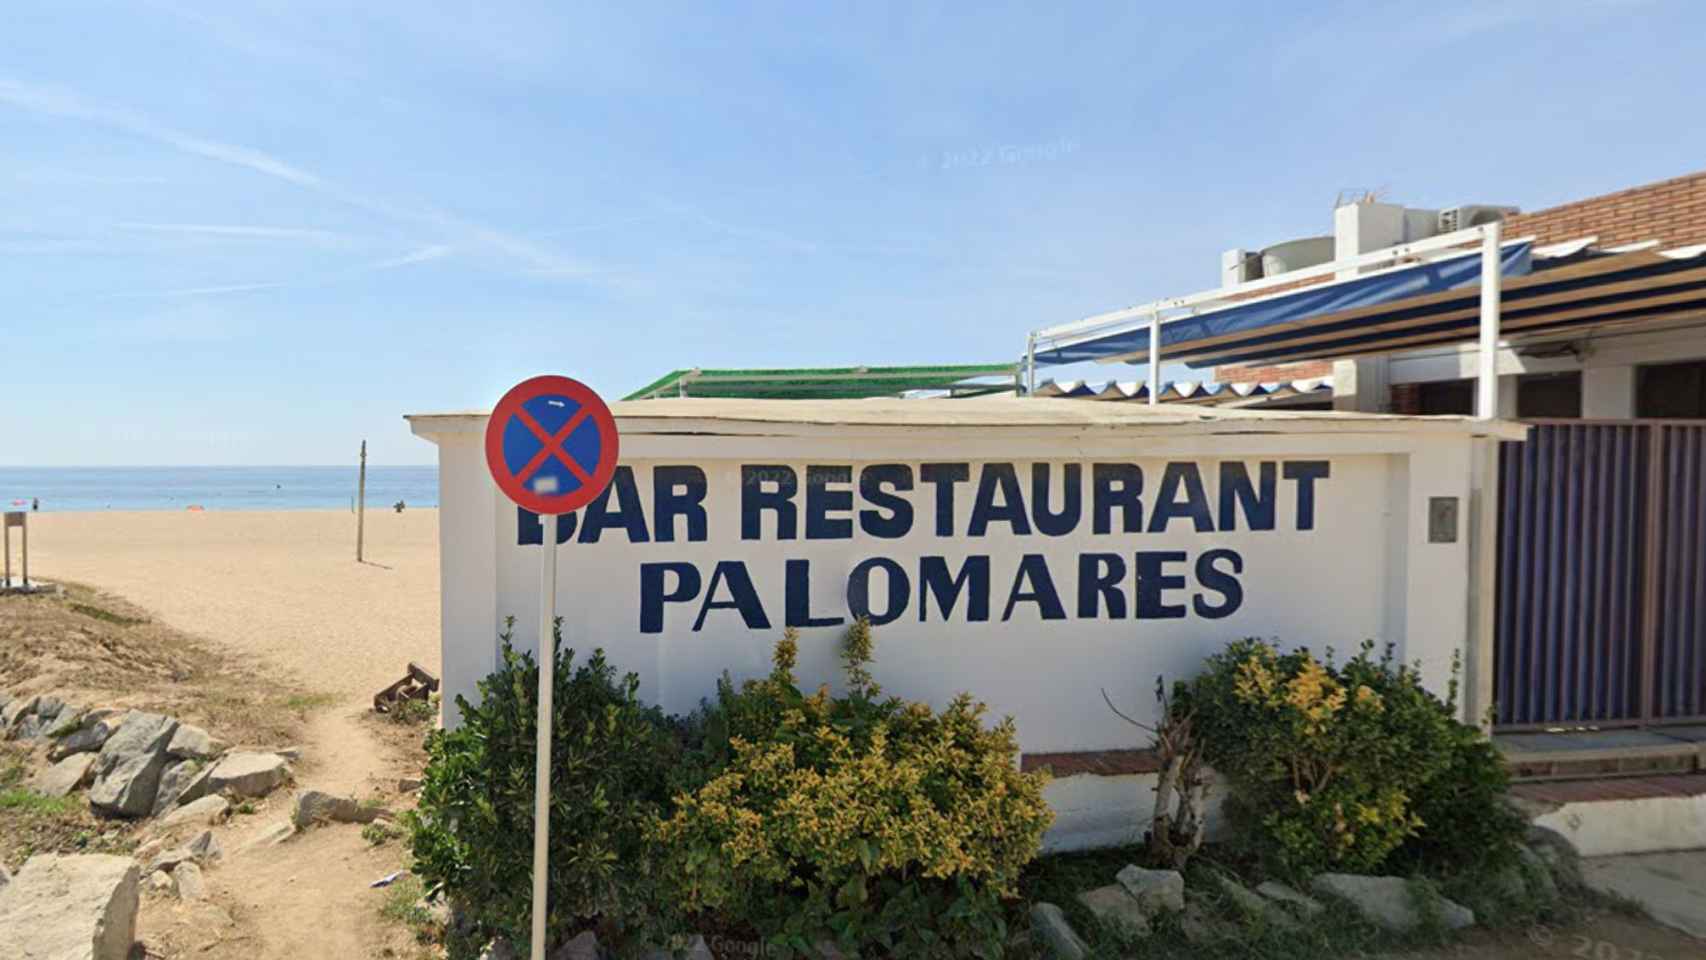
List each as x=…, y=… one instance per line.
x=1365, y=571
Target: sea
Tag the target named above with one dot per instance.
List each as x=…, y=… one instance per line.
x=62, y=489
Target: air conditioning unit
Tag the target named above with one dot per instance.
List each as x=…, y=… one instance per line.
x=1472, y=215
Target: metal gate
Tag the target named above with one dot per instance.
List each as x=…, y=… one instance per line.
x=1601, y=617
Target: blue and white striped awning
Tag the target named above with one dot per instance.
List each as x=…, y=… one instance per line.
x=1271, y=319
x=1546, y=293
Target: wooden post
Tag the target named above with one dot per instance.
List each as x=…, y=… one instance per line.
x=6, y=527
x=361, y=503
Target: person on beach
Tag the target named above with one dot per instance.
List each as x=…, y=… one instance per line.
x=35, y=503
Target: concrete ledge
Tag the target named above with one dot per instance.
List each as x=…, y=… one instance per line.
x=1623, y=815
x=1104, y=798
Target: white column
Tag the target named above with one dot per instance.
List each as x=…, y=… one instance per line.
x=1031, y=365
x=1492, y=285
x=1155, y=358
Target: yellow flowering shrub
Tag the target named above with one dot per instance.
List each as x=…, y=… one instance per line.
x=1329, y=766
x=871, y=822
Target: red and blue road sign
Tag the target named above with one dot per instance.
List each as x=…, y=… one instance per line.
x=551, y=445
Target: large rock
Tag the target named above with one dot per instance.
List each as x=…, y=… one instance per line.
x=1252, y=904
x=269, y=837
x=1054, y=934
x=92, y=733
x=1280, y=893
x=128, y=789
x=200, y=785
x=194, y=743
x=314, y=806
x=139, y=734
x=248, y=774
x=203, y=810
x=1115, y=908
x=1387, y=901
x=1156, y=890
x=173, y=780
x=70, y=908
x=696, y=949
x=191, y=886
x=205, y=847
x=20, y=711
x=582, y=946
x=64, y=777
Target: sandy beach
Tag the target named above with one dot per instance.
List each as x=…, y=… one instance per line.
x=280, y=587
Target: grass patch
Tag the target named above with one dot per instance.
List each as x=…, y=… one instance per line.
x=414, y=713
x=30, y=803
x=304, y=702
x=31, y=823
x=106, y=616
x=403, y=906
x=378, y=833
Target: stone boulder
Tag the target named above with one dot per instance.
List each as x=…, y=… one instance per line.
x=1055, y=935
x=202, y=810
x=174, y=779
x=1115, y=908
x=697, y=949
x=1387, y=901
x=248, y=774
x=64, y=777
x=1291, y=897
x=1253, y=904
x=71, y=908
x=92, y=732
x=582, y=946
x=203, y=849
x=1155, y=890
x=20, y=710
x=191, y=885
x=194, y=743
x=139, y=734
x=314, y=806
x=128, y=789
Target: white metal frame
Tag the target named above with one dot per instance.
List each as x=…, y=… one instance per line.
x=1487, y=236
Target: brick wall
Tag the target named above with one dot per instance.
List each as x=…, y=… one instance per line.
x=1672, y=212
x=1250, y=373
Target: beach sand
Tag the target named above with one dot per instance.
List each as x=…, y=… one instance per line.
x=281, y=588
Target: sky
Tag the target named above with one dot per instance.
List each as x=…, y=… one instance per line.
x=259, y=233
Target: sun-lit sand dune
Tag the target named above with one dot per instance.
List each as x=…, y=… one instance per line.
x=281, y=587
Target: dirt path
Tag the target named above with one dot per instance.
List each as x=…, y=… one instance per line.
x=282, y=592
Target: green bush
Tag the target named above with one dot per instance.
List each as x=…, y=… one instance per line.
x=870, y=822
x=611, y=757
x=1351, y=767
x=1468, y=827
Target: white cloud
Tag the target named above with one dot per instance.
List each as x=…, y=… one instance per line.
x=211, y=291
x=437, y=251
x=325, y=237
x=53, y=101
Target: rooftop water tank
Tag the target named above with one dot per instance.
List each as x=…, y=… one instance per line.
x=1296, y=254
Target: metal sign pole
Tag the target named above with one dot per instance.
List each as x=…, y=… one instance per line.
x=542, y=758
x=24, y=535
x=6, y=526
